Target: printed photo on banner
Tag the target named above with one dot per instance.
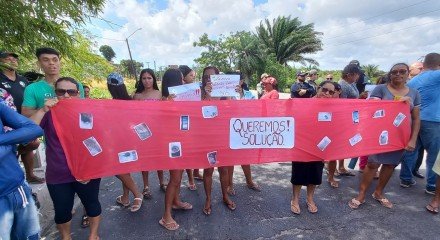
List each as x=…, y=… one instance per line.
x=142, y=131
x=212, y=157
x=324, y=116
x=128, y=156
x=186, y=92
x=322, y=145
x=224, y=85
x=355, y=116
x=92, y=146
x=209, y=111
x=379, y=113
x=85, y=121
x=399, y=119
x=355, y=139
x=175, y=149
x=264, y=132
x=383, y=139
x=184, y=123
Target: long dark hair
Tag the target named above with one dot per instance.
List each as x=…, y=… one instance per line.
x=171, y=78
x=205, y=78
x=140, y=86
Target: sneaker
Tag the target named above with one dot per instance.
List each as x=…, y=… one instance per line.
x=407, y=184
x=430, y=191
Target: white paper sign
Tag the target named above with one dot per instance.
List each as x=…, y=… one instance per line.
x=224, y=85
x=369, y=88
x=264, y=132
x=186, y=92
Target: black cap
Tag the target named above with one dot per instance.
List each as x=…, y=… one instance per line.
x=5, y=54
x=351, y=68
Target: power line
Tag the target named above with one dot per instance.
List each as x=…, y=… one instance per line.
x=382, y=14
x=385, y=33
x=381, y=25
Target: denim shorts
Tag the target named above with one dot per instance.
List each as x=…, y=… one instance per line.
x=18, y=215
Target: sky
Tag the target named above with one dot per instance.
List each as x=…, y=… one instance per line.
x=372, y=31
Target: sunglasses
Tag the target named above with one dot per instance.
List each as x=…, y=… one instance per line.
x=62, y=92
x=329, y=78
x=325, y=90
x=401, y=72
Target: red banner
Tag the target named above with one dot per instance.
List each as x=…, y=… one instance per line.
x=109, y=137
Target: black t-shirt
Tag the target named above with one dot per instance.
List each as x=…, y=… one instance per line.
x=15, y=88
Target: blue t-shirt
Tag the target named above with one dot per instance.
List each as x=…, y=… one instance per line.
x=428, y=85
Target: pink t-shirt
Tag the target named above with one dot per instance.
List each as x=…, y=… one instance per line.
x=271, y=95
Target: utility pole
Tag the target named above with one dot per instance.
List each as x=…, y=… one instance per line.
x=129, y=52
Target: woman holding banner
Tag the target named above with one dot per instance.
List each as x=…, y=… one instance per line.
x=171, y=78
x=116, y=87
x=147, y=90
x=61, y=184
x=395, y=89
x=223, y=171
x=309, y=174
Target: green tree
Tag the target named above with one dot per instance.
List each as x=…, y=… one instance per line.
x=27, y=24
x=217, y=53
x=127, y=69
x=289, y=40
x=372, y=71
x=107, y=52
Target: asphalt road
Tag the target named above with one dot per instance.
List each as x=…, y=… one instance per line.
x=266, y=214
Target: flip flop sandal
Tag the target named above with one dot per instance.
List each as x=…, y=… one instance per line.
x=254, y=187
x=172, y=226
x=207, y=211
x=184, y=206
x=383, y=201
x=432, y=209
x=231, y=205
x=163, y=188
x=147, y=193
x=119, y=201
x=333, y=184
x=192, y=187
x=312, y=208
x=354, y=203
x=136, y=207
x=85, y=221
x=296, y=210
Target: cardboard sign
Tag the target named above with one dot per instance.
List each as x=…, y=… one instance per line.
x=252, y=133
x=186, y=92
x=224, y=85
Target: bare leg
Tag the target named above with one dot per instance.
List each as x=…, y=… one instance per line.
x=189, y=172
x=331, y=172
x=160, y=177
x=296, y=189
x=94, y=226
x=64, y=230
x=128, y=182
x=196, y=174
x=386, y=171
x=230, y=189
x=170, y=194
x=145, y=179
x=341, y=165
x=207, y=183
x=435, y=202
x=311, y=205
x=248, y=175
x=224, y=179
x=367, y=178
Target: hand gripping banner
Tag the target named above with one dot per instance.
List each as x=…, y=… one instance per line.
x=109, y=137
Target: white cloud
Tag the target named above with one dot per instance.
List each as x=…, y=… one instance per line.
x=352, y=30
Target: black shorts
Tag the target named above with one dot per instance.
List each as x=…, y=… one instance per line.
x=307, y=173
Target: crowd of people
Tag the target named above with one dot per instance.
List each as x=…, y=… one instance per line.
x=25, y=116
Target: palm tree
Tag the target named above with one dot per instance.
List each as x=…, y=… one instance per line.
x=249, y=58
x=372, y=70
x=289, y=40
